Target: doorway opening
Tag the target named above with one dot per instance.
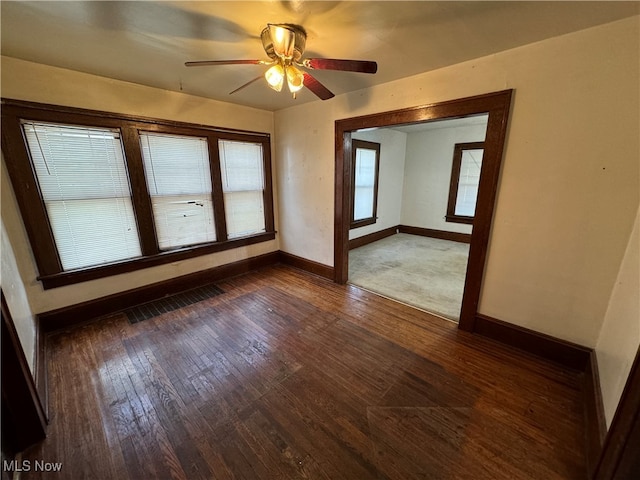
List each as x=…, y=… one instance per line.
x=413, y=210
x=496, y=108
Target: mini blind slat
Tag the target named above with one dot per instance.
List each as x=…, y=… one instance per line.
x=179, y=180
x=176, y=165
x=241, y=165
x=245, y=213
x=78, y=162
x=94, y=231
x=85, y=187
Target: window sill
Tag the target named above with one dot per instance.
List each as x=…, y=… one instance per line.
x=362, y=223
x=459, y=219
x=92, y=273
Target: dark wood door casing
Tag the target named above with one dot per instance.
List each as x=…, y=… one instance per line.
x=497, y=106
x=20, y=396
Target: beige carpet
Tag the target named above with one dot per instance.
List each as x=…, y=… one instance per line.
x=427, y=273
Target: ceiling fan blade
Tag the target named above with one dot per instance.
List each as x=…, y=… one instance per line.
x=362, y=66
x=205, y=63
x=246, y=84
x=322, y=92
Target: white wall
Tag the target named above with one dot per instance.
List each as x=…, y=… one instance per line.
x=40, y=83
x=568, y=192
x=620, y=335
x=390, y=183
x=17, y=301
x=427, y=175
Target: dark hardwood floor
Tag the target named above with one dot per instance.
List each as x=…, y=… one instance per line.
x=288, y=375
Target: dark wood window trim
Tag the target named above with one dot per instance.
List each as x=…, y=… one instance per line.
x=34, y=213
x=458, y=150
x=368, y=146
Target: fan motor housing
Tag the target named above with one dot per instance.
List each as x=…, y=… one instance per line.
x=300, y=40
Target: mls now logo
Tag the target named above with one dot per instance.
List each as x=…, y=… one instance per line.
x=28, y=465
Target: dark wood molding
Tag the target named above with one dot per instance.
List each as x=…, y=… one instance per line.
x=34, y=212
x=375, y=146
x=429, y=232
x=458, y=150
x=569, y=355
x=32, y=208
x=77, y=276
x=307, y=265
x=141, y=199
x=459, y=219
x=497, y=105
x=372, y=237
x=595, y=422
x=92, y=309
x=26, y=417
x=40, y=367
x=560, y=351
x=282, y=323
x=149, y=121
x=620, y=458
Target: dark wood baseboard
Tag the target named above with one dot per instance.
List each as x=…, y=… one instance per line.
x=565, y=353
x=429, y=232
x=307, y=265
x=596, y=426
x=40, y=367
x=86, y=311
x=372, y=237
x=619, y=459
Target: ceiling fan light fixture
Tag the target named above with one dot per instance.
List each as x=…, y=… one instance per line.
x=295, y=78
x=275, y=77
x=283, y=39
x=284, y=44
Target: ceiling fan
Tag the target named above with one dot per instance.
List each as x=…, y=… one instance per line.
x=284, y=44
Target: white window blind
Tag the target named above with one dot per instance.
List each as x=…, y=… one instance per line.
x=241, y=165
x=470, y=166
x=365, y=177
x=85, y=188
x=179, y=179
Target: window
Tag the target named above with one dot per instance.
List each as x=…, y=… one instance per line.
x=179, y=181
x=243, y=187
x=465, y=178
x=84, y=185
x=102, y=194
x=366, y=165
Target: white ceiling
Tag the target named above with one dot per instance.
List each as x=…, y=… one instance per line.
x=147, y=42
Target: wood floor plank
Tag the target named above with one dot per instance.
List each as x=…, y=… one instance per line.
x=287, y=375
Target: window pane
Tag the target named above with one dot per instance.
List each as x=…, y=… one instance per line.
x=365, y=175
x=241, y=165
x=85, y=187
x=179, y=180
x=245, y=213
x=468, y=184
x=183, y=220
x=94, y=231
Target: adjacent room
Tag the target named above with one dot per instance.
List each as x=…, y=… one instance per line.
x=320, y=239
x=417, y=189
